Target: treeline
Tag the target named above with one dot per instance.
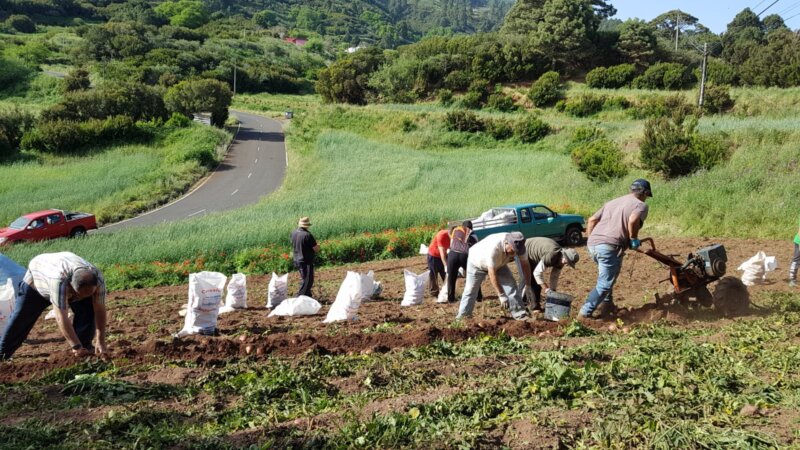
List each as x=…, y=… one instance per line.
x=573, y=38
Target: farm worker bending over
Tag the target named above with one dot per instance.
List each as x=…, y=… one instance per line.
x=795, y=260
x=613, y=229
x=305, y=248
x=461, y=240
x=63, y=280
x=437, y=259
x=491, y=257
x=544, y=253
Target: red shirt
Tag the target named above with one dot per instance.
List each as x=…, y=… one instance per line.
x=441, y=239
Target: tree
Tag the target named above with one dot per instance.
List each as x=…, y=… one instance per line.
x=523, y=17
x=200, y=95
x=637, y=42
x=21, y=23
x=564, y=34
x=666, y=23
x=184, y=13
x=774, y=22
x=743, y=36
x=266, y=18
x=76, y=80
x=346, y=80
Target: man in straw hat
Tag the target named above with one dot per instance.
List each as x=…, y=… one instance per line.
x=63, y=280
x=544, y=253
x=305, y=248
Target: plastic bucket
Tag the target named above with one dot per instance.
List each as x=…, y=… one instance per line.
x=557, y=306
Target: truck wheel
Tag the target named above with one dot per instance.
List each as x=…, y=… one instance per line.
x=573, y=236
x=78, y=232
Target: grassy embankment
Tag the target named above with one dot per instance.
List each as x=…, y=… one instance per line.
x=660, y=386
x=358, y=169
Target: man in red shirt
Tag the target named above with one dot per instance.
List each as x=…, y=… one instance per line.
x=437, y=259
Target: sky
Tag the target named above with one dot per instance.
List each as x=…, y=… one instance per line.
x=715, y=14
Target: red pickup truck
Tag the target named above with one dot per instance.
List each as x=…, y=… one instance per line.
x=47, y=224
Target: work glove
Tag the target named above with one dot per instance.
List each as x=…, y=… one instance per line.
x=635, y=243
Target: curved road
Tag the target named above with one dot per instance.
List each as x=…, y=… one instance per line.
x=253, y=167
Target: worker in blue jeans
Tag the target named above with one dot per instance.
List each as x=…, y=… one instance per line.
x=612, y=230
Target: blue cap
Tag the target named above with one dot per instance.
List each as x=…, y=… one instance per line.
x=641, y=186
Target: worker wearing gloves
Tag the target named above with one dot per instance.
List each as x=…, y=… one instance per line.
x=64, y=280
x=490, y=257
x=612, y=230
x=544, y=253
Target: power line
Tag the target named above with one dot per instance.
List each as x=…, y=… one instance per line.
x=791, y=17
x=757, y=4
x=793, y=6
x=768, y=7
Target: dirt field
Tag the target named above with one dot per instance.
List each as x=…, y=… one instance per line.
x=143, y=320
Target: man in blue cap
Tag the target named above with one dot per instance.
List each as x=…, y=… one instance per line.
x=612, y=230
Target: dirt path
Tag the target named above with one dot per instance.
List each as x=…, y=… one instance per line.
x=143, y=320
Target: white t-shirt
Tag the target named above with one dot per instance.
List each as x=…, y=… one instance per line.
x=51, y=273
x=490, y=252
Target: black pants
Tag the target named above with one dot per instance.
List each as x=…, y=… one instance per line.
x=307, y=275
x=30, y=305
x=536, y=302
x=436, y=268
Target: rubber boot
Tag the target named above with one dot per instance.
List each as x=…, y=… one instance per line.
x=793, y=274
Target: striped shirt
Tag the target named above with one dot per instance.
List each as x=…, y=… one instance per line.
x=51, y=273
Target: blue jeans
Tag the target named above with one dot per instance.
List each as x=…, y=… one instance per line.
x=30, y=305
x=472, y=286
x=609, y=263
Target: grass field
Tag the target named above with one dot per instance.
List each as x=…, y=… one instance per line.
x=357, y=169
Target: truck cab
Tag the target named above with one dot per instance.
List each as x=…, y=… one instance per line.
x=532, y=220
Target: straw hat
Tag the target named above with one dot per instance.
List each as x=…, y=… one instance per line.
x=304, y=222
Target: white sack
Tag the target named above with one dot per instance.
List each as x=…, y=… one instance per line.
x=415, y=287
x=443, y=292
x=297, y=306
x=377, y=289
x=10, y=269
x=7, y=301
x=367, y=285
x=348, y=300
x=237, y=294
x=205, y=299
x=423, y=249
x=278, y=290
x=52, y=314
x=756, y=268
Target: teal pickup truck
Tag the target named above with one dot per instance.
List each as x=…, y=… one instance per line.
x=532, y=220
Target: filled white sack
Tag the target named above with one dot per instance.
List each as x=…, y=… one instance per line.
x=415, y=287
x=205, y=299
x=349, y=297
x=52, y=314
x=237, y=294
x=443, y=292
x=8, y=299
x=297, y=306
x=756, y=268
x=278, y=290
x=423, y=249
x=367, y=285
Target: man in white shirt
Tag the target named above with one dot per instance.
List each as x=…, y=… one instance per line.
x=490, y=257
x=63, y=280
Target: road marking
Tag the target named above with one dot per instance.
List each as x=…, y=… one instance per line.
x=249, y=174
x=234, y=192
x=287, y=159
x=256, y=161
x=196, y=213
x=259, y=148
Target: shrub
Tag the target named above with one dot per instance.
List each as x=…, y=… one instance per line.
x=76, y=80
x=13, y=124
x=613, y=77
x=664, y=76
x=178, y=120
x=137, y=101
x=546, y=90
x=499, y=129
x=444, y=96
x=717, y=99
x=472, y=100
x=662, y=106
x=674, y=148
x=600, y=160
x=408, y=125
x=192, y=96
x=12, y=72
x=531, y=129
x=21, y=23
x=501, y=102
x=584, y=134
x=583, y=105
x=718, y=72
x=462, y=120
x=66, y=136
x=616, y=102
x=457, y=80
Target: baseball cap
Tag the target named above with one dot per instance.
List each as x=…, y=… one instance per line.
x=641, y=186
x=517, y=242
x=571, y=256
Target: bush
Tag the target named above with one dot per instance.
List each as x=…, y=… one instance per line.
x=674, y=148
x=135, y=100
x=662, y=106
x=546, y=90
x=501, y=102
x=600, y=160
x=13, y=125
x=613, y=77
x=66, y=136
x=718, y=72
x=472, y=100
x=178, y=120
x=717, y=99
x=12, y=72
x=457, y=80
x=531, y=129
x=664, y=76
x=21, y=23
x=76, y=80
x=583, y=105
x=616, y=102
x=463, y=120
x=444, y=96
x=200, y=95
x=499, y=129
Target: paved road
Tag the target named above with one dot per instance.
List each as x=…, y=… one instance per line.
x=254, y=166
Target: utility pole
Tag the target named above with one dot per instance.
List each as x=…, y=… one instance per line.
x=677, y=28
x=234, y=79
x=703, y=76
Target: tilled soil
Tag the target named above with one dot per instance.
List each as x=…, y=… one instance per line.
x=142, y=321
